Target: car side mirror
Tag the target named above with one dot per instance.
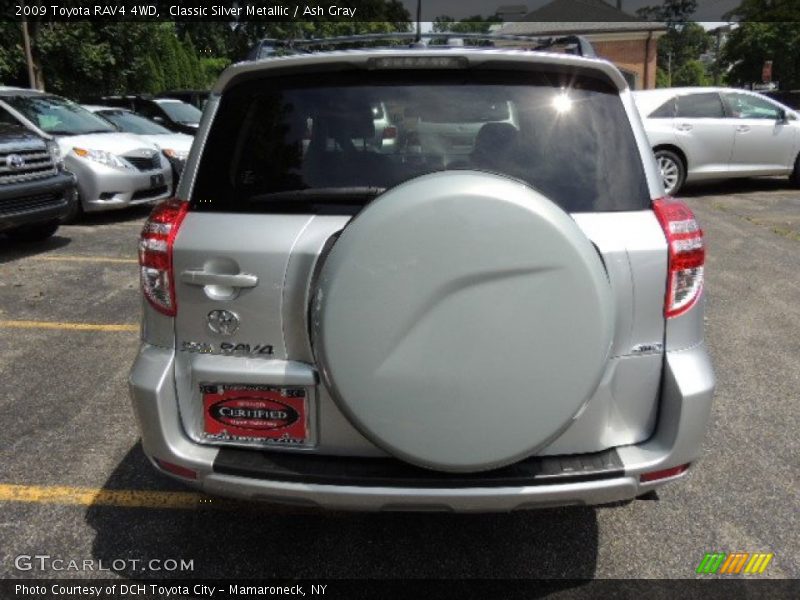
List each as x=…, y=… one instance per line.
x=782, y=117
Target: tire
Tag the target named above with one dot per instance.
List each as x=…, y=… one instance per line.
x=672, y=170
x=794, y=178
x=34, y=233
x=461, y=321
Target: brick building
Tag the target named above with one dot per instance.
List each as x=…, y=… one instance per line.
x=630, y=43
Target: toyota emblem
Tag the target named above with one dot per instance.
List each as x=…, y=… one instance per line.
x=223, y=322
x=15, y=161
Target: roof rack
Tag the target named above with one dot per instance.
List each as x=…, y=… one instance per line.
x=572, y=44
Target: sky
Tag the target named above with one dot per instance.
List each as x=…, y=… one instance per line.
x=707, y=10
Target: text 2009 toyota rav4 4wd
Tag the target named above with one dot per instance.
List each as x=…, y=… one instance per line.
x=508, y=320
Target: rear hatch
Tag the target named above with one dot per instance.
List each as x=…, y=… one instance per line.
x=267, y=203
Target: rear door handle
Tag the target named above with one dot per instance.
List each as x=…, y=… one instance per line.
x=743, y=128
x=684, y=127
x=239, y=280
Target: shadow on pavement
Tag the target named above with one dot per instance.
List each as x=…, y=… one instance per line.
x=263, y=540
x=13, y=250
x=735, y=186
x=124, y=215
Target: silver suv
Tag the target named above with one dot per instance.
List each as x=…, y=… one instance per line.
x=511, y=323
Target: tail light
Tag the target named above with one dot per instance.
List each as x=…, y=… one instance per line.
x=687, y=255
x=155, y=254
x=390, y=133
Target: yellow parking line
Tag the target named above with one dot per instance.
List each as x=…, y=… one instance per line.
x=75, y=258
x=67, y=326
x=101, y=497
x=85, y=496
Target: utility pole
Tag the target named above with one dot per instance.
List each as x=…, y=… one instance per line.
x=419, y=20
x=669, y=69
x=26, y=42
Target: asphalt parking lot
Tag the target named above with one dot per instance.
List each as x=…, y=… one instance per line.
x=69, y=454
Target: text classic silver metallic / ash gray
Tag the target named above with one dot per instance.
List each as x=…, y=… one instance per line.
x=491, y=314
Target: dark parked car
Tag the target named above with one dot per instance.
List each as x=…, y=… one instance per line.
x=35, y=191
x=173, y=114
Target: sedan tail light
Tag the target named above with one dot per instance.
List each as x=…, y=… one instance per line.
x=686, y=255
x=155, y=254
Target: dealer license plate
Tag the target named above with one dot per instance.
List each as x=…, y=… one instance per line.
x=255, y=414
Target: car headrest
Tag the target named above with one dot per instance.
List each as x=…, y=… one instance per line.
x=495, y=137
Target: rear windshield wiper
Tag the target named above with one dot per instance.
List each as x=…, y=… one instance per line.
x=340, y=194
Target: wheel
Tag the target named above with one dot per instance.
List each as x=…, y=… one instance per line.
x=34, y=233
x=673, y=171
x=444, y=354
x=794, y=178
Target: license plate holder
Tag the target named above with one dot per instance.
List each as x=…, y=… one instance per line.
x=256, y=415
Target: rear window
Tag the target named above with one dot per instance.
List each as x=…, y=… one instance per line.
x=300, y=144
x=478, y=109
x=181, y=112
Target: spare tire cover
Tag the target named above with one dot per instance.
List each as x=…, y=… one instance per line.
x=461, y=320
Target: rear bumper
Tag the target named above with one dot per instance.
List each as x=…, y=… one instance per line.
x=36, y=201
x=687, y=390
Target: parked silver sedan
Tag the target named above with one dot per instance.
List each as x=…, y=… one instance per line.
x=716, y=133
x=114, y=169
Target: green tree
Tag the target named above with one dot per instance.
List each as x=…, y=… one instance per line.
x=775, y=11
x=211, y=69
x=691, y=73
x=473, y=24
x=671, y=11
x=12, y=62
x=752, y=43
x=195, y=74
x=211, y=39
x=683, y=43
x=184, y=66
x=167, y=52
x=75, y=59
x=662, y=78
x=153, y=76
x=85, y=59
x=375, y=16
